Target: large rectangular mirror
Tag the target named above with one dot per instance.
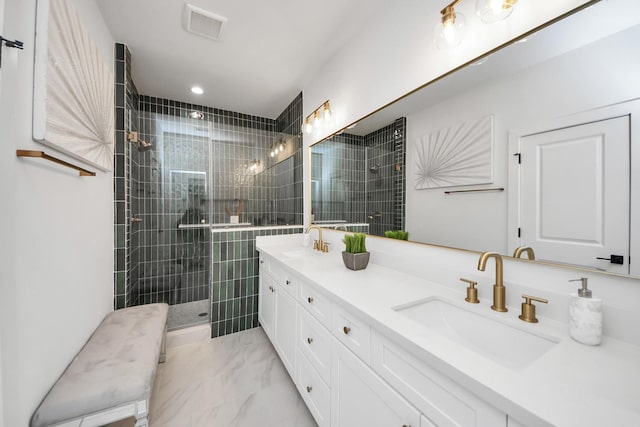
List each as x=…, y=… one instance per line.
x=534, y=121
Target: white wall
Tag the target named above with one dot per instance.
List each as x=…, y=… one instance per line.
x=57, y=234
x=1, y=253
x=593, y=76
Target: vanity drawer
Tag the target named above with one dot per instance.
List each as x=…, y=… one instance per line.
x=315, y=393
x=352, y=331
x=315, y=303
x=314, y=340
x=280, y=274
x=442, y=401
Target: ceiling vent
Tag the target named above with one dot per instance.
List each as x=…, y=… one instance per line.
x=203, y=23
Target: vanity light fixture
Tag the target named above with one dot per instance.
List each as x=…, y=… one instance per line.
x=494, y=10
x=320, y=116
x=196, y=114
x=450, y=30
x=197, y=90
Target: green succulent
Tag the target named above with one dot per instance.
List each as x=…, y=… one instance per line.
x=355, y=243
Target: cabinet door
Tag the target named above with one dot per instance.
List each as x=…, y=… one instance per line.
x=285, y=327
x=360, y=398
x=266, y=304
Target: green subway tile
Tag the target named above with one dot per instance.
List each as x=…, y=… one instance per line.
x=236, y=307
x=120, y=302
x=120, y=236
x=236, y=324
x=216, y=252
x=120, y=279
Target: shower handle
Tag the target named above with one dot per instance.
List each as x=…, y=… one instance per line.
x=136, y=219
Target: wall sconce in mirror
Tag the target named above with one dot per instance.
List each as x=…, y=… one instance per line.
x=253, y=167
x=277, y=148
x=318, y=118
x=450, y=31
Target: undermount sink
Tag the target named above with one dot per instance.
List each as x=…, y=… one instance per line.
x=507, y=345
x=298, y=253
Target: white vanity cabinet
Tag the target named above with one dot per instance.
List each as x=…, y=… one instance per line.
x=277, y=311
x=348, y=373
x=442, y=401
x=359, y=397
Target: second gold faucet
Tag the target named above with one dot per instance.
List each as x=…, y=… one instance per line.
x=499, y=294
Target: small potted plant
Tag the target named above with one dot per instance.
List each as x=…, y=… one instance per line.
x=355, y=255
x=397, y=234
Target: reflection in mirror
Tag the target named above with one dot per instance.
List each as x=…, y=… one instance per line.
x=358, y=179
x=572, y=70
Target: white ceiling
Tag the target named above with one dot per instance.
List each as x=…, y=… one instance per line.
x=268, y=50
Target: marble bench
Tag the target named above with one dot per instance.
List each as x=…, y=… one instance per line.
x=112, y=377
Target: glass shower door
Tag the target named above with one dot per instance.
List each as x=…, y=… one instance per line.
x=170, y=247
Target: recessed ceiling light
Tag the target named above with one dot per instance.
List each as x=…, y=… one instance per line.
x=197, y=90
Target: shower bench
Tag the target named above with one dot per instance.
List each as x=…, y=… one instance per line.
x=111, y=378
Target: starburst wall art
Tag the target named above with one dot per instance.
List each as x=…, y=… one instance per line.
x=458, y=155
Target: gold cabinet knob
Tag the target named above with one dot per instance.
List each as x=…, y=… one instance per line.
x=309, y=300
x=472, y=292
x=288, y=282
x=346, y=330
x=309, y=340
x=309, y=388
x=529, y=310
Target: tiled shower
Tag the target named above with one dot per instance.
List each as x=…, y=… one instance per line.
x=175, y=200
x=342, y=189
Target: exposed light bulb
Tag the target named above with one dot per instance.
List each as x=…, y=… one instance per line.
x=308, y=127
x=449, y=32
x=281, y=147
x=327, y=113
x=491, y=11
x=273, y=153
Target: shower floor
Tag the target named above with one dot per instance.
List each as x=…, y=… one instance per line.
x=188, y=314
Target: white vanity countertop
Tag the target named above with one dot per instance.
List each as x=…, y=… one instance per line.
x=570, y=385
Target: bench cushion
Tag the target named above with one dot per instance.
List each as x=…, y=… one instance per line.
x=115, y=367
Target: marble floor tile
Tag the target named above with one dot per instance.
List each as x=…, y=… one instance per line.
x=235, y=380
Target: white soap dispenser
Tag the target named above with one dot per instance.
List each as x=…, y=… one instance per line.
x=585, y=316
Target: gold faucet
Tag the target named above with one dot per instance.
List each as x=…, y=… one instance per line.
x=498, y=287
x=524, y=249
x=318, y=244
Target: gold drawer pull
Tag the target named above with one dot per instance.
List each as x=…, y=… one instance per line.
x=346, y=330
x=309, y=300
x=309, y=340
x=309, y=388
x=288, y=282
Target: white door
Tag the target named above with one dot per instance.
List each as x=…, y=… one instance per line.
x=575, y=194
